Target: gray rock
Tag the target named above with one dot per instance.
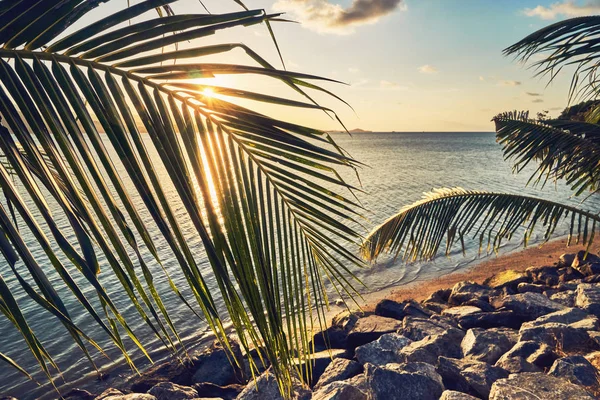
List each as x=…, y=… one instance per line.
x=419, y=328
x=454, y=395
x=566, y=298
x=439, y=296
x=581, y=258
x=359, y=381
x=339, y=391
x=488, y=345
x=588, y=298
x=576, y=369
x=370, y=328
x=529, y=306
x=213, y=365
x=393, y=382
x=469, y=376
x=506, y=279
x=172, y=391
x=339, y=369
x=384, y=350
x=487, y=320
x=536, y=353
x=560, y=336
x=114, y=394
x=516, y=364
x=265, y=387
x=430, y=348
x=481, y=376
x=535, y=386
x=399, y=310
x=483, y=305
x=318, y=362
x=525, y=287
x=465, y=291
x=174, y=372
x=208, y=390
x=460, y=311
x=450, y=370
x=76, y=394
x=567, y=316
x=565, y=260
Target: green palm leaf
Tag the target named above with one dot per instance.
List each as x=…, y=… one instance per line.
x=262, y=194
x=418, y=231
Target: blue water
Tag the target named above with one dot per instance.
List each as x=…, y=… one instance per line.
x=400, y=166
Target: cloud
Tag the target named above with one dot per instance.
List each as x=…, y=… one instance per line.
x=537, y=101
x=567, y=8
x=532, y=94
x=481, y=78
x=325, y=16
x=391, y=85
x=556, y=108
x=428, y=69
x=509, y=83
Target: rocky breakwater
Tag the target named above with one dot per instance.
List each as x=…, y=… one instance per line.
x=518, y=335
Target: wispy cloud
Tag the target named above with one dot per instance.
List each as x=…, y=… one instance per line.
x=537, y=101
x=509, y=83
x=533, y=94
x=428, y=69
x=391, y=85
x=556, y=108
x=567, y=8
x=324, y=16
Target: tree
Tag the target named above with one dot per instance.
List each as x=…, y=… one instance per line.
x=263, y=194
x=563, y=149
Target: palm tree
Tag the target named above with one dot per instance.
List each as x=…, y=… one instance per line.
x=263, y=195
x=562, y=149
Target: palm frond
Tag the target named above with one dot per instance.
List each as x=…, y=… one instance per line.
x=563, y=150
x=418, y=231
x=262, y=194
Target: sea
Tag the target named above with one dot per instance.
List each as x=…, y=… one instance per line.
x=398, y=168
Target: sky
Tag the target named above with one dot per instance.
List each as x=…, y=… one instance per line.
x=407, y=65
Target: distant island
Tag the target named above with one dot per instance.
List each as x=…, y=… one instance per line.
x=355, y=130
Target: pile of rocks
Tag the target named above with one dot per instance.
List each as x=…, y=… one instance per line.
x=519, y=335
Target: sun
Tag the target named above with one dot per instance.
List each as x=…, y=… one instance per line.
x=208, y=92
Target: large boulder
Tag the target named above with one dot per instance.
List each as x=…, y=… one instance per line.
x=336, y=336
x=175, y=372
x=339, y=391
x=454, y=395
x=415, y=381
x=430, y=348
x=318, y=363
x=545, y=275
x=469, y=376
x=536, y=386
x=525, y=287
x=265, y=387
x=114, y=394
x=465, y=291
x=384, y=350
x=338, y=370
x=516, y=364
x=488, y=345
x=172, y=391
x=76, y=394
x=566, y=298
x=370, y=328
x=560, y=336
x=567, y=316
x=460, y=311
x=588, y=298
x=582, y=257
x=213, y=365
x=419, y=328
x=508, y=278
x=576, y=369
x=481, y=376
x=486, y=320
x=536, y=353
x=528, y=306
x=399, y=310
x=210, y=390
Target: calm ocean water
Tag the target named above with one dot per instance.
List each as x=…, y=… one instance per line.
x=400, y=167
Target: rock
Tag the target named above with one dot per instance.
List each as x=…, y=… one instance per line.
x=450, y=371
x=536, y=353
x=415, y=381
x=213, y=365
x=566, y=298
x=588, y=298
x=439, y=296
x=569, y=274
x=488, y=345
x=591, y=279
x=430, y=348
x=530, y=287
x=265, y=387
x=589, y=269
x=109, y=392
x=172, y=391
x=546, y=275
x=566, y=316
x=339, y=369
x=318, y=363
x=594, y=359
x=114, y=394
x=482, y=305
x=370, y=328
x=459, y=311
x=516, y=364
x=454, y=395
x=560, y=336
x=535, y=386
x=576, y=369
x=486, y=320
x=529, y=306
x=393, y=309
x=481, y=376
x=336, y=336
x=384, y=350
x=582, y=258
x=565, y=260
x=435, y=307
x=465, y=291
x=78, y=394
x=339, y=391
x=419, y=328
x=174, y=372
x=359, y=381
x=509, y=278
x=228, y=392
